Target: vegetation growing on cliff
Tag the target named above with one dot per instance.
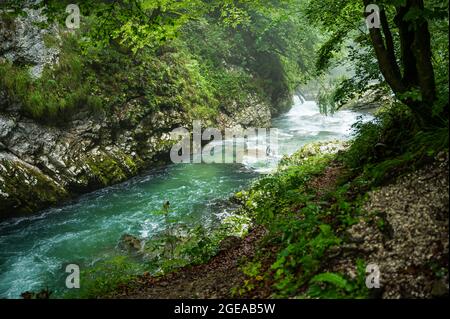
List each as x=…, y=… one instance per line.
x=209, y=58
x=190, y=60
x=187, y=56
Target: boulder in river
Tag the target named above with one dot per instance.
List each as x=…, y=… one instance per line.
x=130, y=243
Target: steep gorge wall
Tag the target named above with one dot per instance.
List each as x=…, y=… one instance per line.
x=42, y=165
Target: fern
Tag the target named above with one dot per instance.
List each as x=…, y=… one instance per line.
x=333, y=279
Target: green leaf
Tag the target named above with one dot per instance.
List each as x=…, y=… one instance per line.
x=333, y=279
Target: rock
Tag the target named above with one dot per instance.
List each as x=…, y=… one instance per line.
x=310, y=150
x=255, y=114
x=43, y=294
x=22, y=41
x=130, y=243
x=6, y=126
x=90, y=151
x=84, y=155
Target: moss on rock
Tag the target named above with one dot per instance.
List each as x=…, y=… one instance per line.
x=24, y=189
x=107, y=169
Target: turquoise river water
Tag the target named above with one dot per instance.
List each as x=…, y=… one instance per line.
x=33, y=250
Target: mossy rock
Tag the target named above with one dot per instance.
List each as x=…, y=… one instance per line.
x=310, y=150
x=107, y=169
x=24, y=189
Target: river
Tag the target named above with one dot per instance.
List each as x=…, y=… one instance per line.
x=33, y=250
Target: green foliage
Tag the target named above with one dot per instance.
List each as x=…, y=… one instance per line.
x=439, y=42
x=136, y=24
x=283, y=188
x=170, y=238
x=334, y=286
x=339, y=284
x=307, y=225
x=393, y=144
x=301, y=258
x=177, y=246
x=252, y=270
x=347, y=42
x=180, y=244
x=60, y=93
x=302, y=226
x=107, y=80
x=193, y=56
x=231, y=53
x=374, y=140
x=170, y=79
x=105, y=276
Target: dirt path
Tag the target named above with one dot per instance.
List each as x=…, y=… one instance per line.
x=216, y=278
x=412, y=236
x=212, y=280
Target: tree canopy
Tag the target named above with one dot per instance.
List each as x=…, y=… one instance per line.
x=411, y=61
x=407, y=55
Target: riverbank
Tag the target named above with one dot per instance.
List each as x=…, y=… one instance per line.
x=316, y=228
x=92, y=93
x=70, y=232
x=73, y=121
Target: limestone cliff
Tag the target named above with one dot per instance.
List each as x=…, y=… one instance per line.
x=43, y=164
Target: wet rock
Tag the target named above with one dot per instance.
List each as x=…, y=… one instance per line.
x=91, y=151
x=130, y=243
x=43, y=294
x=83, y=156
x=255, y=113
x=310, y=150
x=6, y=126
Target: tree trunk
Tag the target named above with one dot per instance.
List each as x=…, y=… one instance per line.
x=421, y=48
x=416, y=69
x=408, y=60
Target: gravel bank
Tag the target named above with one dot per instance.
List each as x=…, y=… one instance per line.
x=406, y=233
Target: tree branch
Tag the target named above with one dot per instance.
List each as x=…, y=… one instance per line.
x=388, y=67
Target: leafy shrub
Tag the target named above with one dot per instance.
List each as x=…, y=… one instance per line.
x=58, y=94
x=335, y=286
x=392, y=144
x=105, y=276
x=382, y=137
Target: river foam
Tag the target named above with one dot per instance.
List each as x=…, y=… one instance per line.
x=33, y=250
